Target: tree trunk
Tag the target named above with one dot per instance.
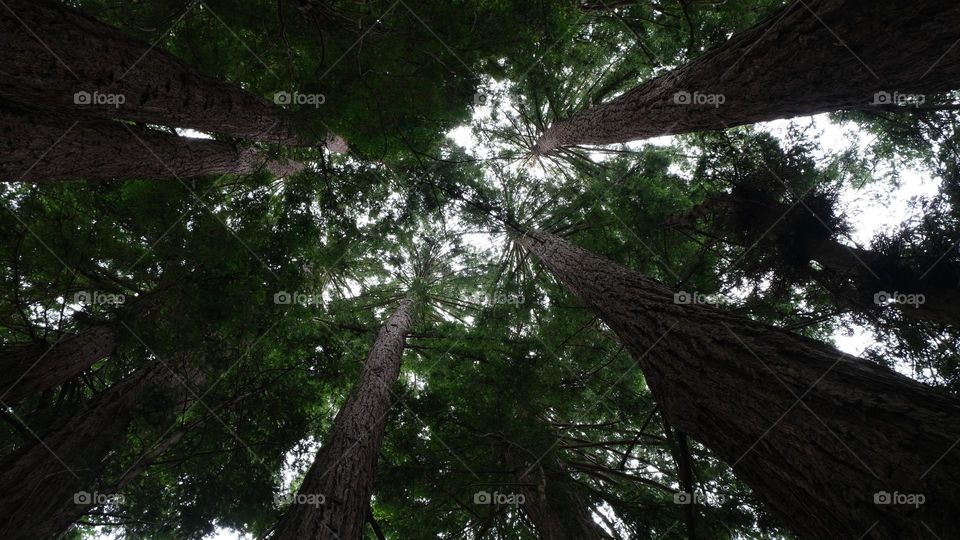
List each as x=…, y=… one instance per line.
x=33, y=368
x=811, y=57
x=51, y=52
x=44, y=488
x=871, y=274
x=862, y=273
x=334, y=499
x=552, y=500
x=820, y=435
x=680, y=451
x=39, y=147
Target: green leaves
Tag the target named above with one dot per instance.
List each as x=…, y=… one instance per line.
x=272, y=288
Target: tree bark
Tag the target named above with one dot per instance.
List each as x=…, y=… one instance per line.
x=553, y=501
x=49, y=52
x=818, y=434
x=680, y=451
x=39, y=147
x=813, y=56
x=42, y=487
x=33, y=368
x=334, y=499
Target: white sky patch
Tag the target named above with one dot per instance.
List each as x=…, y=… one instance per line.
x=229, y=534
x=292, y=469
x=877, y=207
x=416, y=384
x=463, y=136
x=193, y=134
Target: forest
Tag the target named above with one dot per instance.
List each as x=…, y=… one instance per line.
x=479, y=269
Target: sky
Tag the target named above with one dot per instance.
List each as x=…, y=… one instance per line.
x=872, y=209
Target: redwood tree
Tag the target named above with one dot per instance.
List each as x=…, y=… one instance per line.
x=811, y=57
x=35, y=367
x=822, y=436
x=853, y=275
x=334, y=499
x=42, y=487
x=51, y=52
x=552, y=501
x=39, y=147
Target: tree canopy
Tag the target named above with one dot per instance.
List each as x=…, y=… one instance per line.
x=518, y=407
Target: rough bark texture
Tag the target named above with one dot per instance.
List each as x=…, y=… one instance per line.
x=39, y=147
x=815, y=432
x=344, y=469
x=33, y=368
x=50, y=52
x=39, y=484
x=552, y=500
x=813, y=56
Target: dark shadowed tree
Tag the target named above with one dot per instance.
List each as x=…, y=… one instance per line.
x=59, y=58
x=41, y=147
x=47, y=485
x=32, y=368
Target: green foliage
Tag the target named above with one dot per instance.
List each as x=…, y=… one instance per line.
x=269, y=290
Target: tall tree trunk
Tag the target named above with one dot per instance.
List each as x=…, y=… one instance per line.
x=680, y=451
x=820, y=435
x=552, y=500
x=871, y=274
x=334, y=499
x=40, y=147
x=33, y=368
x=44, y=488
x=862, y=273
x=49, y=52
x=813, y=56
